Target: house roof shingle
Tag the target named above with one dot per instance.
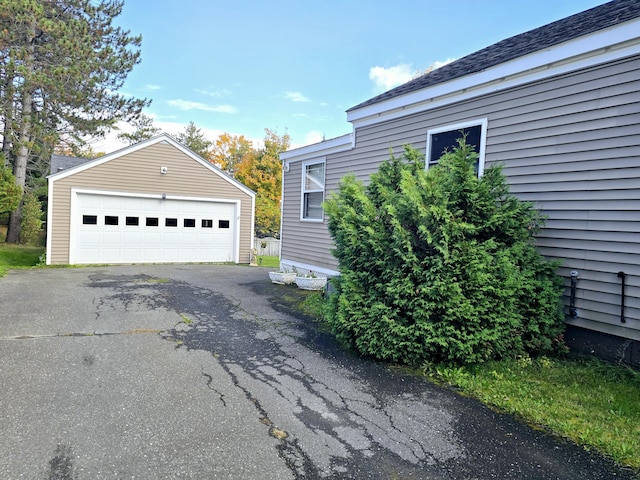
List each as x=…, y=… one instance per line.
x=583, y=23
x=64, y=162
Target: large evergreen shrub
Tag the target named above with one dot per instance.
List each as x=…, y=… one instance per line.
x=440, y=265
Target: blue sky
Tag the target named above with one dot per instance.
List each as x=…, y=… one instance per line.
x=295, y=66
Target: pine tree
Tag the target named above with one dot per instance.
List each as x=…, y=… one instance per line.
x=62, y=63
x=193, y=138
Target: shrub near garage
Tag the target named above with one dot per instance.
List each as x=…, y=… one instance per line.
x=440, y=265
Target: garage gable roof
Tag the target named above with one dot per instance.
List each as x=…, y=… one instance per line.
x=163, y=137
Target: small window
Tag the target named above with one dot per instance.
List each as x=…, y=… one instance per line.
x=132, y=221
x=207, y=223
x=89, y=219
x=170, y=222
x=110, y=220
x=223, y=223
x=445, y=139
x=313, y=191
x=189, y=222
x=152, y=221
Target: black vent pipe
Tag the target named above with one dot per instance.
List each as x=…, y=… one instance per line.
x=572, y=299
x=622, y=276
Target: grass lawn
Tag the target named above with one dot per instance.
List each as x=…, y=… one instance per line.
x=592, y=403
x=18, y=256
x=265, y=261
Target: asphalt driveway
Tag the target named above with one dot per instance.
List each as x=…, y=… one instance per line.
x=200, y=372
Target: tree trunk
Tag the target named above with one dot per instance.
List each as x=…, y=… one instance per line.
x=23, y=138
x=20, y=168
x=8, y=116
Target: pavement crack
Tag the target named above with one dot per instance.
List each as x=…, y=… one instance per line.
x=37, y=336
x=211, y=387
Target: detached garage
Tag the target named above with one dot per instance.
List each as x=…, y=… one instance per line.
x=153, y=202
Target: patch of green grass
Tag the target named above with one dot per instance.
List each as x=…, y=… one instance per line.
x=18, y=256
x=313, y=305
x=592, y=403
x=267, y=261
x=157, y=280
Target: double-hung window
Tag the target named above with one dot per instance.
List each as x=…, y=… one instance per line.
x=445, y=139
x=312, y=190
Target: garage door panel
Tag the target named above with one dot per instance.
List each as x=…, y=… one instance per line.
x=132, y=255
x=104, y=234
x=151, y=238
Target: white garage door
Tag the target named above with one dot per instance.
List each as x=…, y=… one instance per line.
x=115, y=229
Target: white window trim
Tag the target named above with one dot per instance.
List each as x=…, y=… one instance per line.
x=315, y=161
x=482, y=122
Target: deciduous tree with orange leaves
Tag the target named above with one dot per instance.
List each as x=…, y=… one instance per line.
x=228, y=151
x=261, y=171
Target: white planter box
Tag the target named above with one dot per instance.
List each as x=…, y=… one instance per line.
x=282, y=278
x=311, y=283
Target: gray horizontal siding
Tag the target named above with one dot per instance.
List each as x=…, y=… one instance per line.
x=570, y=145
x=306, y=243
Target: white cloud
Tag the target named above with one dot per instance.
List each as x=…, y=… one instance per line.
x=387, y=78
x=296, y=97
x=223, y=92
x=313, y=137
x=310, y=138
x=152, y=87
x=189, y=105
x=438, y=63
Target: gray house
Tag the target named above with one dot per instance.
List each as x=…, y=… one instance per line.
x=559, y=108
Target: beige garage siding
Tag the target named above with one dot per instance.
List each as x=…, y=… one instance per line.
x=139, y=172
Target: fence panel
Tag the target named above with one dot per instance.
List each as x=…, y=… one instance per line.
x=267, y=246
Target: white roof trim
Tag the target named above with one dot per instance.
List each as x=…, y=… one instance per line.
x=599, y=47
x=139, y=146
x=326, y=147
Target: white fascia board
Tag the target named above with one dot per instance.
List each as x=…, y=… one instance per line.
x=583, y=52
x=326, y=147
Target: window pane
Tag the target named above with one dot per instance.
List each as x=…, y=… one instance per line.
x=447, y=141
x=223, y=223
x=133, y=221
x=170, y=222
x=207, y=223
x=89, y=219
x=189, y=222
x=152, y=221
x=313, y=205
x=314, y=179
x=110, y=220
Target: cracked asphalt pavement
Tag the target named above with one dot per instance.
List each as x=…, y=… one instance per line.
x=202, y=372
